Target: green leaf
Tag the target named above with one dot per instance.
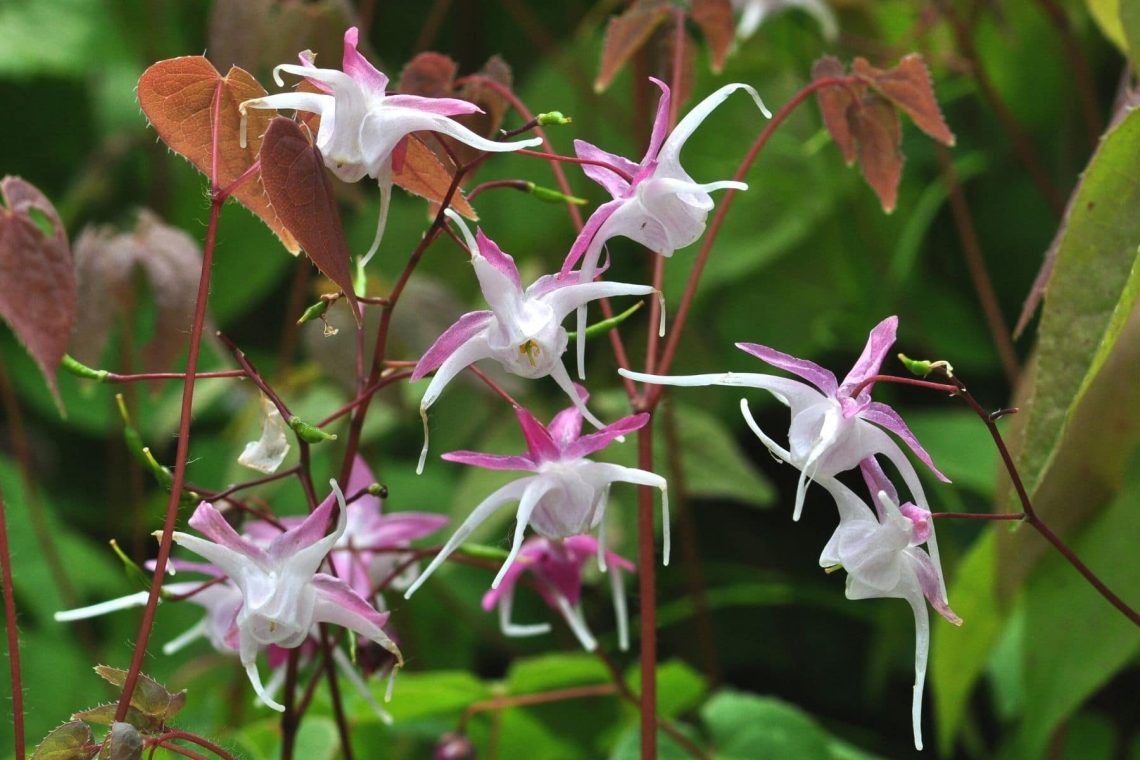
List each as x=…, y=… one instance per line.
x=1106, y=13
x=628, y=746
x=679, y=687
x=317, y=739
x=67, y=742
x=555, y=671
x=749, y=727
x=1075, y=641
x=1090, y=295
x=423, y=695
x=960, y=445
x=958, y=655
x=1130, y=26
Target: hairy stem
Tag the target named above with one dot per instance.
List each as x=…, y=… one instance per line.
x=217, y=198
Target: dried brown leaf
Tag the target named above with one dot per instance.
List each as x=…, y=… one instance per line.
x=177, y=95
x=293, y=173
x=908, y=86
x=714, y=17
x=626, y=34
x=425, y=175
x=876, y=128
x=835, y=103
x=37, y=282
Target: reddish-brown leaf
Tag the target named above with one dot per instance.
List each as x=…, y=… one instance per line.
x=298, y=187
x=908, y=86
x=494, y=105
x=661, y=59
x=177, y=96
x=431, y=75
x=37, y=283
x=105, y=265
x=714, y=17
x=835, y=103
x=626, y=34
x=423, y=174
x=876, y=128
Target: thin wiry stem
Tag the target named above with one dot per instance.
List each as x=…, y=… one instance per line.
x=13, y=638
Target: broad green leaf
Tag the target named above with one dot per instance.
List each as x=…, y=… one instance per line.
x=959, y=655
x=555, y=671
x=628, y=747
x=1090, y=462
x=317, y=739
x=1130, y=26
x=679, y=687
x=1075, y=640
x=749, y=727
x=439, y=693
x=1090, y=295
x=1106, y=13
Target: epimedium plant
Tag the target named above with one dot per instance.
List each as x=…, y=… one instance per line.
x=274, y=583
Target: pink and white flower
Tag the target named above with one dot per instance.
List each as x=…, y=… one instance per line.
x=834, y=426
x=283, y=596
x=522, y=330
x=363, y=129
x=556, y=567
x=881, y=551
x=567, y=493
x=655, y=202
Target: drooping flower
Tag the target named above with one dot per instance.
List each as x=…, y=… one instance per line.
x=556, y=567
x=656, y=203
x=363, y=129
x=283, y=595
x=522, y=330
x=754, y=12
x=566, y=495
x=268, y=452
x=881, y=551
x=834, y=425
x=366, y=554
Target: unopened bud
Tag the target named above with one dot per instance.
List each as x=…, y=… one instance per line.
x=82, y=370
x=377, y=489
x=553, y=196
x=309, y=433
x=555, y=118
x=454, y=747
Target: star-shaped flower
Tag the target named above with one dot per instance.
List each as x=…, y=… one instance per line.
x=283, y=595
x=363, y=128
x=834, y=425
x=655, y=202
x=567, y=493
x=522, y=330
x=556, y=567
x=364, y=555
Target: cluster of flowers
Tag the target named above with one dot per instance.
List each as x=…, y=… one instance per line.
x=264, y=591
x=836, y=427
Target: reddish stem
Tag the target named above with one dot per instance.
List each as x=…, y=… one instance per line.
x=514, y=184
x=977, y=516
x=498, y=389
x=113, y=377
x=541, y=698
x=13, y=638
x=173, y=733
x=647, y=587
x=913, y=381
x=147, y=623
